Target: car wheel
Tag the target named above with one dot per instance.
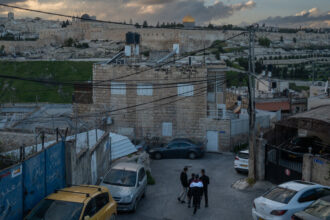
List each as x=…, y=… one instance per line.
x=135, y=206
x=237, y=171
x=158, y=156
x=192, y=155
x=144, y=194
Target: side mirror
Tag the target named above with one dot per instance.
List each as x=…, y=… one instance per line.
x=87, y=217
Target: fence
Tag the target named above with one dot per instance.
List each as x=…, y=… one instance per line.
x=241, y=126
x=23, y=185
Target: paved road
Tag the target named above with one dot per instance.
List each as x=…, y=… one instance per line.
x=225, y=202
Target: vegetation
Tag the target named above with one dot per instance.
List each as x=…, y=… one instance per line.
x=264, y=41
x=25, y=91
x=240, y=147
x=74, y=43
x=293, y=86
x=236, y=79
x=150, y=179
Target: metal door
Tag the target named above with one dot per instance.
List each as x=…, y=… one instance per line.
x=212, y=141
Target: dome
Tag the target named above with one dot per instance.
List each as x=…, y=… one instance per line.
x=188, y=19
x=85, y=16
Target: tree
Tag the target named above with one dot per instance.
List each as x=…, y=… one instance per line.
x=264, y=41
x=137, y=25
x=281, y=39
x=130, y=21
x=145, y=24
x=210, y=26
x=294, y=40
x=157, y=26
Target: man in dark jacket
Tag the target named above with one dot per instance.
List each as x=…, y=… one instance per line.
x=196, y=191
x=206, y=181
x=184, y=183
x=189, y=189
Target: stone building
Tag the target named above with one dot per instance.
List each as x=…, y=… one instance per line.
x=188, y=22
x=166, y=103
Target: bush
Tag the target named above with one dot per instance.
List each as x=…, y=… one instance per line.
x=150, y=179
x=69, y=42
x=264, y=41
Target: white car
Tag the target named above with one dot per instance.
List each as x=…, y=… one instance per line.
x=241, y=163
x=286, y=199
x=127, y=183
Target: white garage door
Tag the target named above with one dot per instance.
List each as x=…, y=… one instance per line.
x=212, y=141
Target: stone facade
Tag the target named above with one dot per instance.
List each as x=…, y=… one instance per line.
x=163, y=117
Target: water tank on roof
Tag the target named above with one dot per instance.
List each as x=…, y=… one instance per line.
x=137, y=38
x=130, y=38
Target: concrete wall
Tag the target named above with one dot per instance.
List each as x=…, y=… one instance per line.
x=316, y=169
x=79, y=165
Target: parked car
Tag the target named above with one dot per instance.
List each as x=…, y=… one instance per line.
x=286, y=199
x=319, y=210
x=179, y=148
x=241, y=163
x=83, y=202
x=127, y=183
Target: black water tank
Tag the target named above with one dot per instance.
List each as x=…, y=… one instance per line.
x=130, y=38
x=137, y=38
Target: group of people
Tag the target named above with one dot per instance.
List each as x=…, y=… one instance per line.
x=194, y=189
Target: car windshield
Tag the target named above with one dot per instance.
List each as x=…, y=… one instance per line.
x=121, y=178
x=243, y=155
x=320, y=209
x=280, y=194
x=56, y=209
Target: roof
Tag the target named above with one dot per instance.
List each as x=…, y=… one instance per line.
x=320, y=113
x=188, y=19
x=296, y=185
x=77, y=193
x=127, y=166
x=273, y=106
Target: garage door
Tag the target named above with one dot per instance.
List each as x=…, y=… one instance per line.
x=212, y=141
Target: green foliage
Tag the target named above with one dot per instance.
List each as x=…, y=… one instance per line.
x=250, y=181
x=150, y=179
x=146, y=53
x=236, y=79
x=69, y=42
x=81, y=46
x=24, y=91
x=240, y=147
x=293, y=86
x=264, y=41
x=294, y=40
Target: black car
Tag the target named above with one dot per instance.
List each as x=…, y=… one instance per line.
x=318, y=210
x=178, y=148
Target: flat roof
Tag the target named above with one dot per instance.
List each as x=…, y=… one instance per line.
x=320, y=113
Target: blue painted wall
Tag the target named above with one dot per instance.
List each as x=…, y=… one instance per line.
x=22, y=186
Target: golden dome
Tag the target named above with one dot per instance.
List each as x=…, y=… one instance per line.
x=188, y=19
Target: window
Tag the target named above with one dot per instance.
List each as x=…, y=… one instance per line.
x=281, y=195
x=142, y=173
x=313, y=194
x=144, y=90
x=185, y=90
x=101, y=200
x=118, y=88
x=167, y=129
x=184, y=145
x=90, y=208
x=121, y=178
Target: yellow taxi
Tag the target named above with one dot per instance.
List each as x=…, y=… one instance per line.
x=84, y=202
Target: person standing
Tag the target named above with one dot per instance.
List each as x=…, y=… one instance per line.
x=196, y=191
x=189, y=190
x=184, y=184
x=206, y=181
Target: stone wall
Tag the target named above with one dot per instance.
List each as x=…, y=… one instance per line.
x=79, y=165
x=184, y=114
x=316, y=169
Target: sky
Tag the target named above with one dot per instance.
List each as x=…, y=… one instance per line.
x=281, y=13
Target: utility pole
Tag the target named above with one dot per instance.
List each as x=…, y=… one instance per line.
x=252, y=114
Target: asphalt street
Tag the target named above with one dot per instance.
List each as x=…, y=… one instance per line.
x=225, y=202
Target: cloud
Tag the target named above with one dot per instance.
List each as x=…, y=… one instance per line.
x=140, y=10
x=312, y=18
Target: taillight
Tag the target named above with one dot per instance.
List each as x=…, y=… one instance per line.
x=278, y=212
x=254, y=205
x=236, y=158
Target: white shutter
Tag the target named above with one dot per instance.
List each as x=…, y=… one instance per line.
x=185, y=90
x=118, y=88
x=144, y=90
x=167, y=129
